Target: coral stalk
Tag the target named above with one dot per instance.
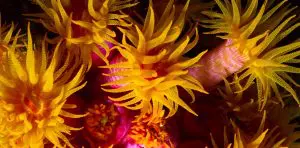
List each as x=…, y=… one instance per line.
x=218, y=64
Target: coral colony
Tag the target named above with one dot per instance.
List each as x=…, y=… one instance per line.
x=136, y=74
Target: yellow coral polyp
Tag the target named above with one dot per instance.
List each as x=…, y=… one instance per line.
x=271, y=69
x=33, y=95
x=55, y=19
x=101, y=15
x=256, y=36
x=150, y=134
x=154, y=65
x=246, y=26
x=263, y=138
x=95, y=24
x=284, y=119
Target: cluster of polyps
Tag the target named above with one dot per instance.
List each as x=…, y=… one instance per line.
x=148, y=69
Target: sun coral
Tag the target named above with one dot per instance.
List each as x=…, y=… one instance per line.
x=154, y=65
x=101, y=121
x=102, y=14
x=271, y=70
x=245, y=25
x=285, y=121
x=55, y=19
x=150, y=135
x=235, y=101
x=33, y=96
x=251, y=36
x=246, y=28
x=263, y=138
x=94, y=26
x=150, y=65
x=280, y=120
x=97, y=21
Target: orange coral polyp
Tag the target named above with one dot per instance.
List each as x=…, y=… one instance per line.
x=154, y=65
x=150, y=134
x=101, y=121
x=262, y=138
x=92, y=27
x=96, y=20
x=254, y=37
x=34, y=113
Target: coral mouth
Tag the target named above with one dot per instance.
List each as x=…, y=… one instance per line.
x=30, y=106
x=101, y=121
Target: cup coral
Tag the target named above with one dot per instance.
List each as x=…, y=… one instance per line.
x=105, y=125
x=153, y=65
x=102, y=14
x=94, y=25
x=275, y=128
x=150, y=135
x=261, y=139
x=120, y=73
x=264, y=63
x=34, y=112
